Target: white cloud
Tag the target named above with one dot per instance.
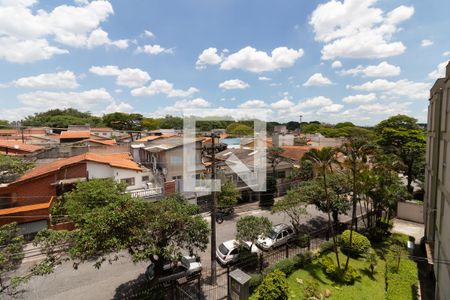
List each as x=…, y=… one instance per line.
x=24, y=51
x=163, y=87
x=426, y=43
x=124, y=77
x=75, y=26
x=318, y=101
x=383, y=69
x=118, y=107
x=59, y=80
x=439, y=72
x=446, y=53
x=333, y=108
x=317, y=79
x=99, y=37
x=282, y=104
x=252, y=60
x=86, y=100
x=208, y=57
x=336, y=64
x=153, y=50
x=233, y=84
x=360, y=98
x=356, y=29
x=394, y=89
x=253, y=104
x=264, y=78
x=149, y=34
x=379, y=109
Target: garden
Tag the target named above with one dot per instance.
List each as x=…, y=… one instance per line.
x=375, y=271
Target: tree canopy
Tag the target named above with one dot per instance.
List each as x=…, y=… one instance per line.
x=109, y=221
x=11, y=167
x=249, y=228
x=228, y=195
x=62, y=118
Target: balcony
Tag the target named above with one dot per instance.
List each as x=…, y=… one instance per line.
x=147, y=193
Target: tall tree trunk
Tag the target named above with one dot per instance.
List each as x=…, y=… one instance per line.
x=353, y=211
x=331, y=227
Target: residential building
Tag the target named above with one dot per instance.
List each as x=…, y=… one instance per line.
x=73, y=136
x=282, y=139
x=280, y=129
x=36, y=188
x=105, y=132
x=437, y=185
x=18, y=148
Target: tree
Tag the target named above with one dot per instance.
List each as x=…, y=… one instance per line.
x=249, y=228
x=124, y=121
x=62, y=118
x=228, y=196
x=150, y=123
x=239, y=129
x=12, y=167
x=169, y=122
x=4, y=124
x=402, y=136
x=355, y=151
x=323, y=160
x=306, y=170
x=372, y=259
x=293, y=204
x=11, y=255
x=109, y=221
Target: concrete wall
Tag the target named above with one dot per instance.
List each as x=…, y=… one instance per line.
x=410, y=211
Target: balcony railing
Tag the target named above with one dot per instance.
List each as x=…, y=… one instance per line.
x=146, y=193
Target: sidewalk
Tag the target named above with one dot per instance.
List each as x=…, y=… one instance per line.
x=409, y=228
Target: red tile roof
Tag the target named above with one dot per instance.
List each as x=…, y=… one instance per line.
x=295, y=153
x=101, y=129
x=122, y=161
x=75, y=134
x=103, y=142
x=26, y=208
x=16, y=145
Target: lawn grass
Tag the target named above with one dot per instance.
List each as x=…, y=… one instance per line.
x=368, y=287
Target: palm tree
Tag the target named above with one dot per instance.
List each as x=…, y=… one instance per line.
x=356, y=151
x=323, y=160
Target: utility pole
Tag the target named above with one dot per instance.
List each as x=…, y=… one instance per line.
x=213, y=212
x=300, y=124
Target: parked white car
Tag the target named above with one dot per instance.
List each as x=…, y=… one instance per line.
x=228, y=252
x=187, y=266
x=280, y=235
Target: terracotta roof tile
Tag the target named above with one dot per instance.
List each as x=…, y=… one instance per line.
x=75, y=135
x=19, y=146
x=26, y=208
x=121, y=160
x=295, y=152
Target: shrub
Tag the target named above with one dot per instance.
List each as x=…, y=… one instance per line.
x=311, y=289
x=274, y=286
x=380, y=231
x=303, y=241
x=372, y=259
x=359, y=246
x=303, y=259
x=287, y=266
x=326, y=247
x=339, y=275
x=255, y=281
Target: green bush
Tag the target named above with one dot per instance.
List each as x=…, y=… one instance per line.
x=359, y=246
x=287, y=266
x=380, y=231
x=303, y=241
x=273, y=287
x=326, y=247
x=303, y=259
x=255, y=281
x=311, y=289
x=339, y=275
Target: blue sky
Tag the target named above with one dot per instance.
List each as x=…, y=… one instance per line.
x=356, y=60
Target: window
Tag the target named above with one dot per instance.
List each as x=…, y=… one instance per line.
x=280, y=235
x=128, y=181
x=290, y=231
x=145, y=178
x=285, y=233
x=104, y=133
x=234, y=252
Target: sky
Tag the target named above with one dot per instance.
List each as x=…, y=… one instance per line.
x=331, y=61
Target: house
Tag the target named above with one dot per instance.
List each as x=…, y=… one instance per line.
x=73, y=136
x=105, y=132
x=165, y=158
x=437, y=186
x=8, y=147
x=40, y=184
x=282, y=139
x=295, y=153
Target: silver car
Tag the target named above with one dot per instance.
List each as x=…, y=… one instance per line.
x=280, y=235
x=187, y=266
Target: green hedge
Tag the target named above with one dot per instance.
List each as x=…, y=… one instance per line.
x=401, y=278
x=274, y=286
x=359, y=246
